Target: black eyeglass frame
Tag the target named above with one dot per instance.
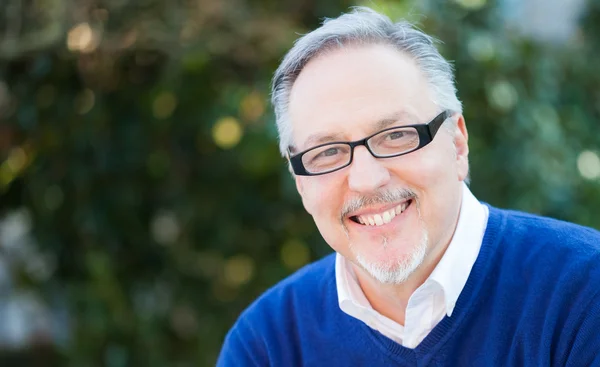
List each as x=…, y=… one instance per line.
x=426, y=133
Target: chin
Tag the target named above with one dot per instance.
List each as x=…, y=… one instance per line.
x=394, y=269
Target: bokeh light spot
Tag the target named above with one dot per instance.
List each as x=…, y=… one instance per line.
x=6, y=176
x=164, y=105
x=295, y=254
x=588, y=164
x=184, y=321
x=502, y=96
x=165, y=228
x=238, y=270
x=227, y=132
x=82, y=38
x=17, y=159
x=84, y=102
x=252, y=106
x=481, y=47
x=471, y=4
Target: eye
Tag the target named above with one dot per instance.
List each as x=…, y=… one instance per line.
x=395, y=135
x=330, y=152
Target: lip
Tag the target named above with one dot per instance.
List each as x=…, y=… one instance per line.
x=375, y=210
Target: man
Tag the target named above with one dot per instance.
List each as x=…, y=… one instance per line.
x=423, y=274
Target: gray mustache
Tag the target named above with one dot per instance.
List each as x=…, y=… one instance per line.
x=380, y=197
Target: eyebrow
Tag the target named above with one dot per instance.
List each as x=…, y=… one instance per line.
x=400, y=116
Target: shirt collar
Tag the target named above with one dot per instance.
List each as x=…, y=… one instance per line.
x=351, y=298
x=453, y=270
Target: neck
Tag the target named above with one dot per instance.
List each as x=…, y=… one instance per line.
x=391, y=300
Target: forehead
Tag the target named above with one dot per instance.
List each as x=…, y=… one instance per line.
x=346, y=94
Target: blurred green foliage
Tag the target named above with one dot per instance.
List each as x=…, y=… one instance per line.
x=143, y=198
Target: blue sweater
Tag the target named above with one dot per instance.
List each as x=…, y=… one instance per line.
x=532, y=299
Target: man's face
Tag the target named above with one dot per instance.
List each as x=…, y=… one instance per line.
x=346, y=95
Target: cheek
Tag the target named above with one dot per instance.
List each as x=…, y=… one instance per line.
x=427, y=171
x=323, y=201
x=441, y=187
x=439, y=165
x=433, y=174
x=319, y=196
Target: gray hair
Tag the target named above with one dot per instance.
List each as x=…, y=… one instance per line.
x=361, y=26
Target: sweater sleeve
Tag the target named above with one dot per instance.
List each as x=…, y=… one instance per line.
x=242, y=348
x=586, y=345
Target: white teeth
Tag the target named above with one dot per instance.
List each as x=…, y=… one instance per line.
x=378, y=219
x=382, y=218
x=387, y=217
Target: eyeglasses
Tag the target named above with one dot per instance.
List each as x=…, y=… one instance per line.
x=387, y=143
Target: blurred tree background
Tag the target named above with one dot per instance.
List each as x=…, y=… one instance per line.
x=143, y=202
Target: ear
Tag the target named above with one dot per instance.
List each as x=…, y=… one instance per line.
x=461, y=144
x=299, y=185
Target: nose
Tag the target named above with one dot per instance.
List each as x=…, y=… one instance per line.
x=366, y=173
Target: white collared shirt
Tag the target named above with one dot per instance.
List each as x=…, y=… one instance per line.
x=437, y=296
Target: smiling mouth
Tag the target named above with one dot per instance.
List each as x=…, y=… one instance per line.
x=382, y=218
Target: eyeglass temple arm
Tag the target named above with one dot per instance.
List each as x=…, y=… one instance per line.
x=435, y=125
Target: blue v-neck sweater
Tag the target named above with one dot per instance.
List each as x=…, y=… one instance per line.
x=532, y=299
